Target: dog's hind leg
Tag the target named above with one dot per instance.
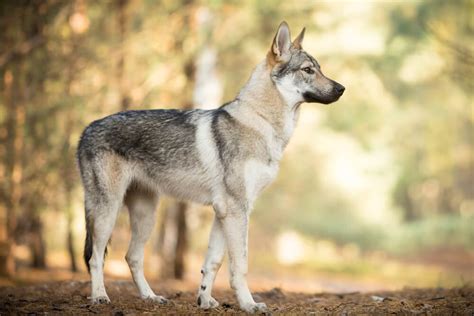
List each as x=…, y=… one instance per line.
x=142, y=209
x=214, y=257
x=104, y=217
x=105, y=182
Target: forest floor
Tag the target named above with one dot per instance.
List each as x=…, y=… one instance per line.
x=70, y=297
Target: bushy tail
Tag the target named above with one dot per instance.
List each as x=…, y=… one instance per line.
x=89, y=242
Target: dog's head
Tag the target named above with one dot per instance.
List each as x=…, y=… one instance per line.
x=296, y=74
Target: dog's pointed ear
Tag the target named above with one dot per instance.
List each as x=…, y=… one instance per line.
x=280, y=50
x=299, y=39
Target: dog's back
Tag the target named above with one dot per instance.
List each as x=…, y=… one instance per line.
x=148, y=135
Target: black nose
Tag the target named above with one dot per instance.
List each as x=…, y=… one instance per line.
x=339, y=88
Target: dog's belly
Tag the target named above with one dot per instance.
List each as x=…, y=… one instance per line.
x=187, y=186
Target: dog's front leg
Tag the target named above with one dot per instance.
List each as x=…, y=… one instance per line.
x=235, y=227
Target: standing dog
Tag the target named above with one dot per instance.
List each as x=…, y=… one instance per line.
x=222, y=157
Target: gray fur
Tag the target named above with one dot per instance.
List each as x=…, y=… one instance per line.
x=293, y=67
x=223, y=157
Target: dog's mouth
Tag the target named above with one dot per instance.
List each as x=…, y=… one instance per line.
x=312, y=97
x=325, y=98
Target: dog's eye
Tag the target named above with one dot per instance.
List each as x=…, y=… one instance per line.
x=308, y=70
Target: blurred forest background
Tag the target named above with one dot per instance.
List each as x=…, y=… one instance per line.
x=376, y=190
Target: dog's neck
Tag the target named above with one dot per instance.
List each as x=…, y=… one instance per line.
x=260, y=92
x=261, y=96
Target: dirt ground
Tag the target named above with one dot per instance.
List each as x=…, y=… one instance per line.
x=70, y=297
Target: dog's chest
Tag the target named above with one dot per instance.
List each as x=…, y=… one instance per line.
x=258, y=175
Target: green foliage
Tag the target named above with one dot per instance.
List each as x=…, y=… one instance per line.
x=435, y=232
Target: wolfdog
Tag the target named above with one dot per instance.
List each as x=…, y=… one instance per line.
x=222, y=157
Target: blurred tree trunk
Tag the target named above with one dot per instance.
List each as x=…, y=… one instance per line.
x=68, y=167
x=68, y=171
x=12, y=171
x=122, y=21
x=32, y=91
x=7, y=263
x=181, y=241
x=14, y=85
x=37, y=244
x=70, y=245
x=15, y=79
x=68, y=178
x=172, y=242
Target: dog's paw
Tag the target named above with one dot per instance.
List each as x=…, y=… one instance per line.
x=255, y=308
x=100, y=300
x=206, y=302
x=156, y=299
